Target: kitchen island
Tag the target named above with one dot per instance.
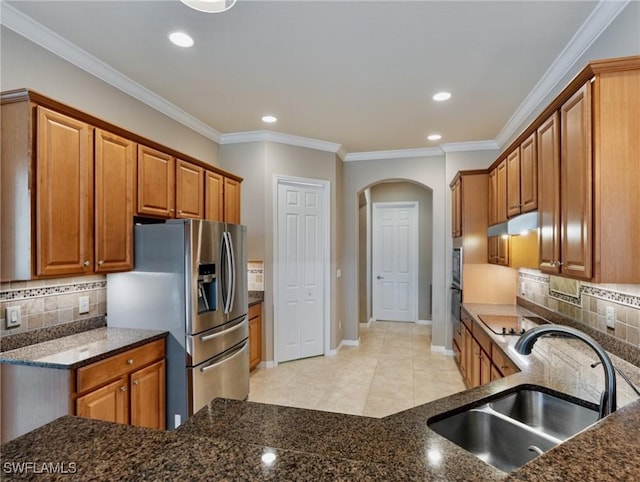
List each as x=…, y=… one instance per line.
x=234, y=440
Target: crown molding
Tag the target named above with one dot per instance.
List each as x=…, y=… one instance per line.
x=393, y=154
x=37, y=33
x=279, y=137
x=601, y=16
x=469, y=146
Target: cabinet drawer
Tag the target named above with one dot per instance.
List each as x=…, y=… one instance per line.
x=483, y=339
x=502, y=362
x=104, y=370
x=255, y=310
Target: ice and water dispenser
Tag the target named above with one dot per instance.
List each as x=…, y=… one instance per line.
x=207, y=288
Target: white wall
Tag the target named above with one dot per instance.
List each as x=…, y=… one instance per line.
x=258, y=163
x=428, y=171
x=24, y=64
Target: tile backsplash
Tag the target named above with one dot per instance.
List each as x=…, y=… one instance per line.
x=586, y=302
x=45, y=303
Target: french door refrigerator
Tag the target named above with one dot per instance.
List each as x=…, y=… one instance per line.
x=190, y=278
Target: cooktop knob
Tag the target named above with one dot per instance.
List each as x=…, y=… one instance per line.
x=504, y=330
x=512, y=331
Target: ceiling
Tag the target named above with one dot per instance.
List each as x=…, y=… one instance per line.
x=359, y=74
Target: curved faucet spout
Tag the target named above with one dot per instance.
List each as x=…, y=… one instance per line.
x=608, y=399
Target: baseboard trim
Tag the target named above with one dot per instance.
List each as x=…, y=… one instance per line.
x=366, y=324
x=424, y=322
x=350, y=342
x=442, y=349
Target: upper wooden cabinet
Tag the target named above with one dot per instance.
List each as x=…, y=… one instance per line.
x=469, y=209
x=586, y=145
x=456, y=208
x=222, y=198
x=64, y=195
x=115, y=174
x=156, y=183
x=231, y=200
x=522, y=178
x=189, y=190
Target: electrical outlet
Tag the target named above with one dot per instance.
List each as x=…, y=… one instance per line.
x=12, y=317
x=611, y=317
x=522, y=291
x=83, y=305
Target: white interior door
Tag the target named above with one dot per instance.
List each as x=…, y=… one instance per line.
x=300, y=263
x=395, y=261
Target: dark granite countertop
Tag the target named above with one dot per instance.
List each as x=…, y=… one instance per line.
x=234, y=440
x=80, y=349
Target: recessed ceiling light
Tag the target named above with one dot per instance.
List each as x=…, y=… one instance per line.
x=210, y=6
x=440, y=96
x=434, y=137
x=181, y=39
x=269, y=119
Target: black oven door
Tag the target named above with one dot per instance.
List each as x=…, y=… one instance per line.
x=456, y=307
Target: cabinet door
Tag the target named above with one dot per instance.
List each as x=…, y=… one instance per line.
x=156, y=183
x=254, y=342
x=576, y=185
x=456, y=209
x=513, y=182
x=214, y=196
x=549, y=194
x=474, y=365
x=114, y=195
x=528, y=174
x=189, y=190
x=464, y=354
x=501, y=192
x=493, y=196
x=485, y=368
x=109, y=403
x=231, y=201
x=64, y=195
x=492, y=243
x=148, y=396
x=503, y=250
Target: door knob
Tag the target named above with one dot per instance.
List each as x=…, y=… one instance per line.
x=380, y=277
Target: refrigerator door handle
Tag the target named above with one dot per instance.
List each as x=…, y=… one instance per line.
x=228, y=284
x=237, y=352
x=232, y=271
x=224, y=332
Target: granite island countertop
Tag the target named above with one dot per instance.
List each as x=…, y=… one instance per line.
x=234, y=440
x=80, y=349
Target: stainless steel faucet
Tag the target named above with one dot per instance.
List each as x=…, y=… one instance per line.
x=608, y=398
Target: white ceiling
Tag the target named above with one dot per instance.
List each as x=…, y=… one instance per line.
x=359, y=74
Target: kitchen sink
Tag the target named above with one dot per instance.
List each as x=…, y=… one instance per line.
x=545, y=412
x=510, y=429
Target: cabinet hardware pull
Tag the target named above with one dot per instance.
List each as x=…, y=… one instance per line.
x=130, y=361
x=135, y=382
x=123, y=388
x=100, y=262
x=86, y=263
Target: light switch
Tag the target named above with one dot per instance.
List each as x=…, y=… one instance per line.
x=12, y=317
x=83, y=305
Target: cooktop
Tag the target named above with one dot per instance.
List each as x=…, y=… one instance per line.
x=511, y=324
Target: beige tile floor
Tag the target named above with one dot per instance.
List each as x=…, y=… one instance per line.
x=392, y=369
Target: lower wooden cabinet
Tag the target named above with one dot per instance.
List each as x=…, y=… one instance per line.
x=481, y=360
x=255, y=335
x=125, y=388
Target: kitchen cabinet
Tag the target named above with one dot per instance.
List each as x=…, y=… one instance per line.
x=482, y=361
x=255, y=335
x=498, y=247
x=587, y=142
x=222, y=198
x=522, y=188
x=456, y=208
x=156, y=183
x=64, y=195
x=125, y=388
x=231, y=200
x=71, y=184
x=469, y=211
x=549, y=194
x=115, y=161
x=189, y=190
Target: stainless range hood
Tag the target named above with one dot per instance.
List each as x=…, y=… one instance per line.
x=517, y=225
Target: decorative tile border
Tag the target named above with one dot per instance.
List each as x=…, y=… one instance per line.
x=632, y=301
x=614, y=296
x=26, y=293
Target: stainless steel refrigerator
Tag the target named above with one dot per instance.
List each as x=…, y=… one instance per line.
x=190, y=278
